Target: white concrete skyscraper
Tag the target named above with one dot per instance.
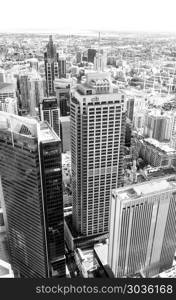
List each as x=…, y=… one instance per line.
x=142, y=229
x=97, y=138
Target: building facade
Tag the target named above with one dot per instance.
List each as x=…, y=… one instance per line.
x=143, y=228
x=31, y=192
x=51, y=58
x=49, y=111
x=97, y=139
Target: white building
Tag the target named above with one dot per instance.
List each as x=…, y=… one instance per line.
x=142, y=228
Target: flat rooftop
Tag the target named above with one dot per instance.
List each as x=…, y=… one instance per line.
x=143, y=189
x=161, y=146
x=27, y=127
x=46, y=133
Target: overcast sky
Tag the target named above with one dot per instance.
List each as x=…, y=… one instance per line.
x=55, y=15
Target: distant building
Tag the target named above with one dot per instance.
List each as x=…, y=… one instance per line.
x=49, y=111
x=155, y=153
x=158, y=125
x=91, y=55
x=9, y=105
x=31, y=190
x=51, y=58
x=142, y=228
x=23, y=90
x=63, y=93
x=36, y=92
x=62, y=67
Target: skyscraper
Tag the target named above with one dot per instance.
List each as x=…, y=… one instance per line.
x=91, y=55
x=36, y=91
x=143, y=228
x=49, y=111
x=63, y=93
x=62, y=66
x=51, y=58
x=97, y=140
x=31, y=190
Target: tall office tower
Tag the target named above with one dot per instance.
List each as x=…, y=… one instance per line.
x=62, y=66
x=51, y=58
x=143, y=228
x=49, y=111
x=78, y=57
x=9, y=105
x=91, y=55
x=23, y=89
x=63, y=93
x=97, y=124
x=31, y=190
x=36, y=92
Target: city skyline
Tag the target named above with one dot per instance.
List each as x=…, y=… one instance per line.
x=88, y=155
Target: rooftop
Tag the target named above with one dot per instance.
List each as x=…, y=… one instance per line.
x=159, y=145
x=28, y=127
x=144, y=189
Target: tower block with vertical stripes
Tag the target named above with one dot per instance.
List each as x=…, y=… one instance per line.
x=97, y=140
x=143, y=228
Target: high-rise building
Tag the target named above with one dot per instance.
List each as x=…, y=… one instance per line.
x=23, y=90
x=63, y=93
x=143, y=228
x=49, y=111
x=36, y=92
x=51, y=58
x=31, y=190
x=91, y=55
x=62, y=67
x=97, y=140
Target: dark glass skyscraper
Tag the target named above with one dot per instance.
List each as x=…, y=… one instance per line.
x=31, y=190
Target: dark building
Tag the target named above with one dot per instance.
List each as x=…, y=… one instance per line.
x=62, y=67
x=49, y=111
x=128, y=132
x=63, y=93
x=51, y=58
x=130, y=109
x=91, y=55
x=31, y=190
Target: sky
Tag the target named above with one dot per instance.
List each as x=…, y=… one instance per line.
x=78, y=15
